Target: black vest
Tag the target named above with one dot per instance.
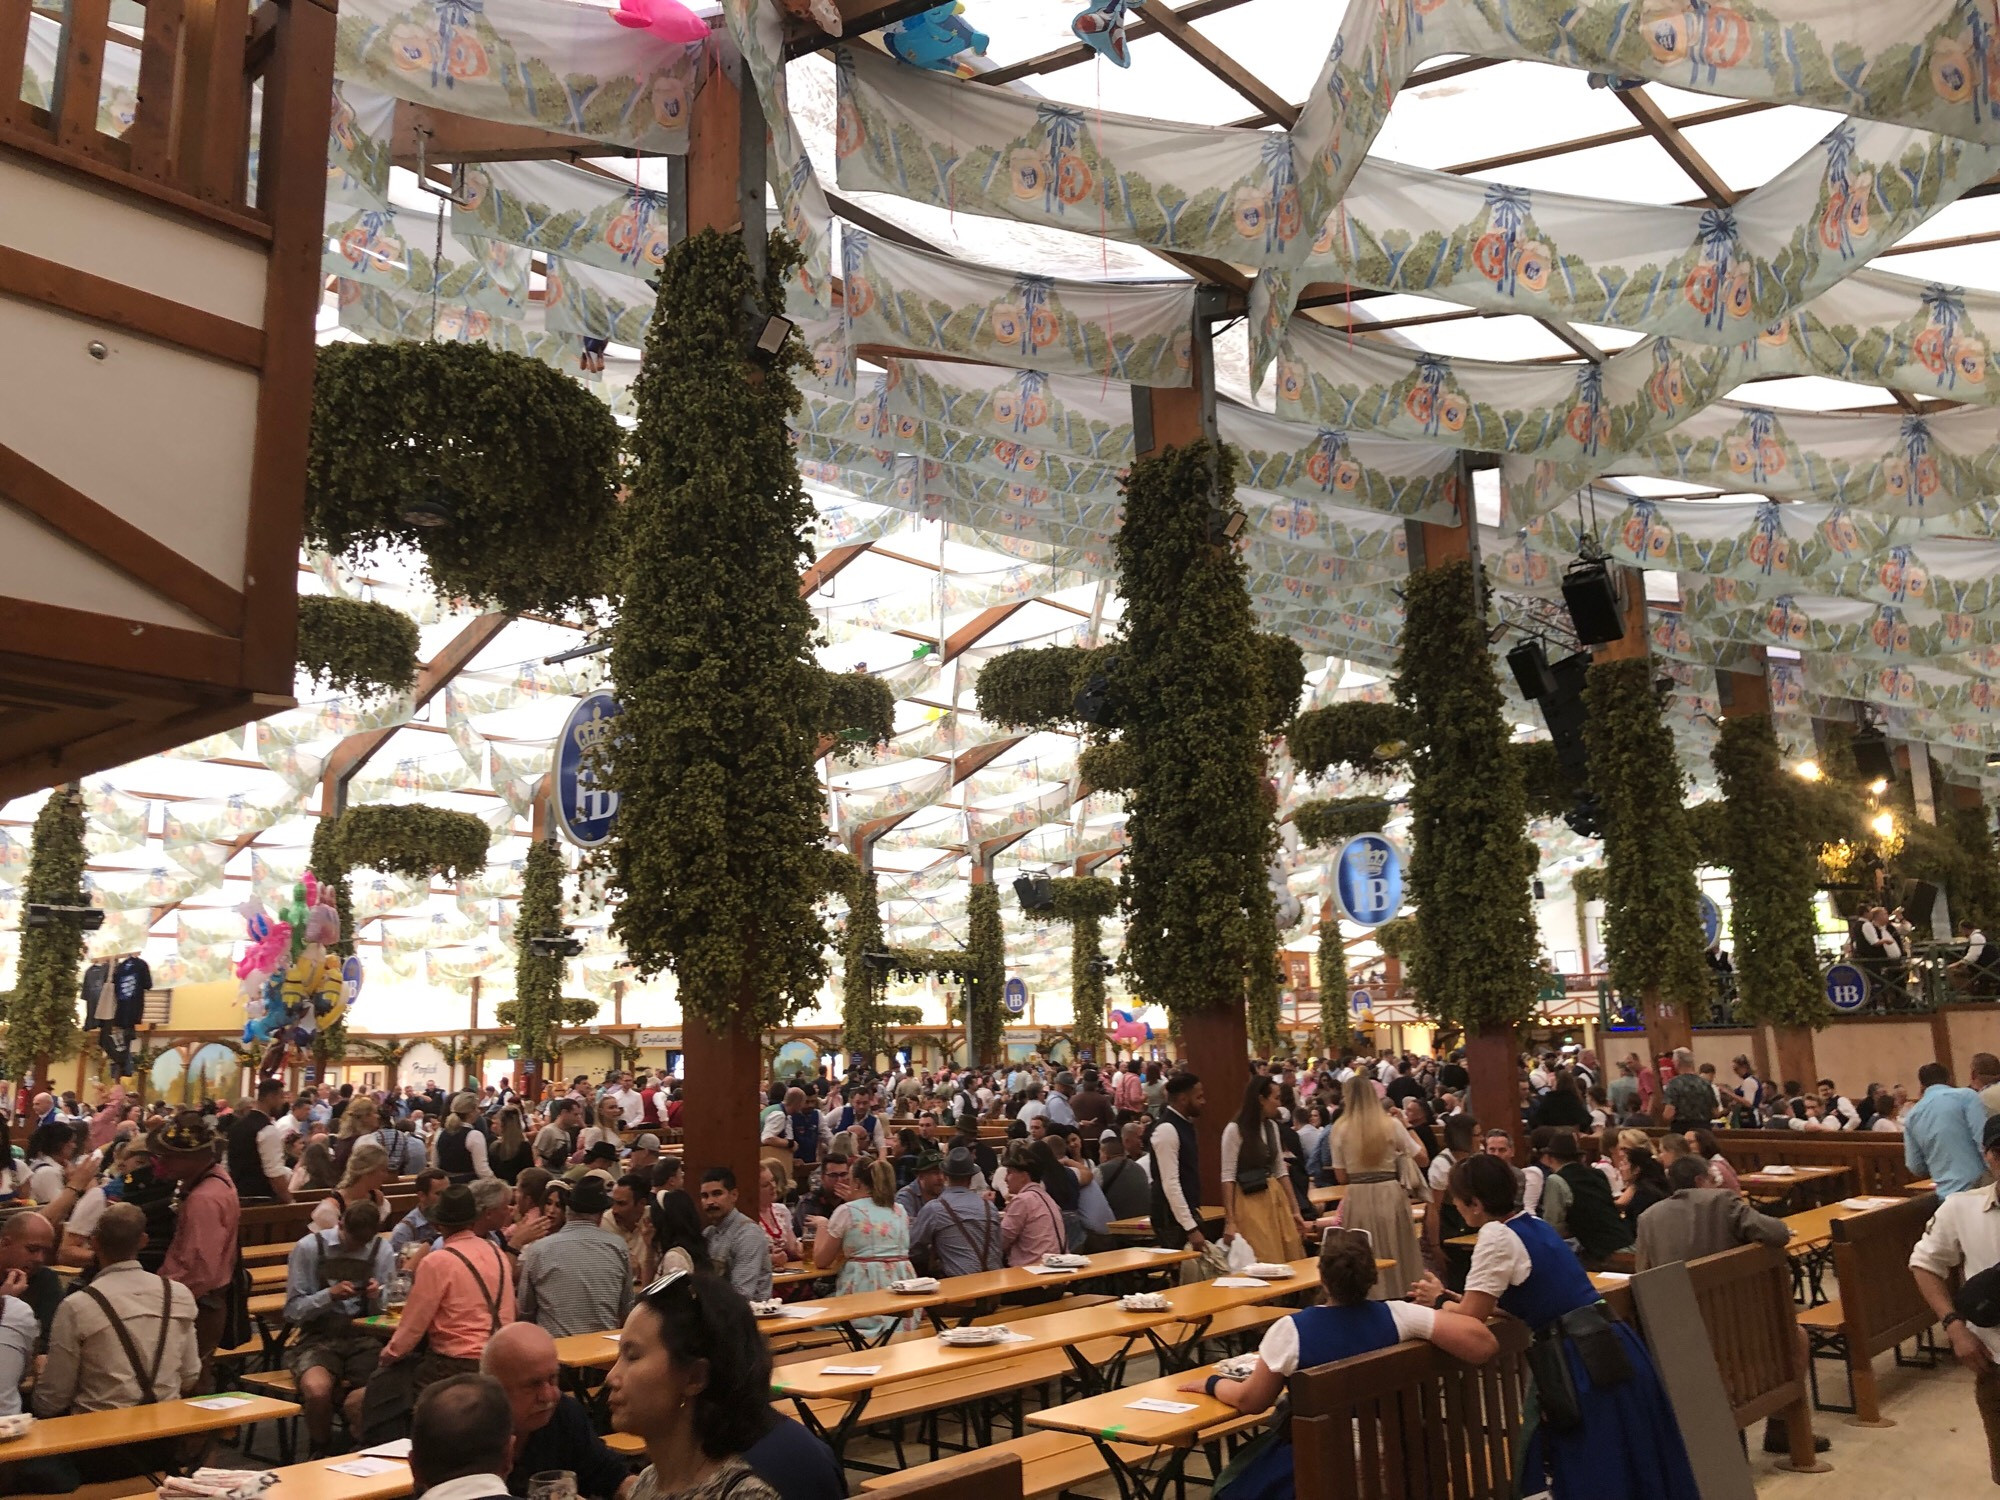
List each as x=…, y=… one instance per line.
x=454, y=1156
x=1166, y=1228
x=245, y=1166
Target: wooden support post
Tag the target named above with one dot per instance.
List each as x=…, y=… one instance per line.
x=724, y=169
x=1215, y=1043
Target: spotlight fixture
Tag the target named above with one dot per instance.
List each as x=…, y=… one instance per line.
x=770, y=340
x=1101, y=966
x=1034, y=892
x=1224, y=526
x=1095, y=703
x=1879, y=785
x=88, y=918
x=1884, y=824
x=1541, y=891
x=554, y=945
x=1807, y=770
x=879, y=961
x=1993, y=757
x=1582, y=818
x=428, y=515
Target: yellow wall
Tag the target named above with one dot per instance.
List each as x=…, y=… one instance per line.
x=1862, y=1051
x=214, y=1006
x=1972, y=1030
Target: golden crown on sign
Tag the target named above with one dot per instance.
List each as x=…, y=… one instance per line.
x=592, y=732
x=1373, y=858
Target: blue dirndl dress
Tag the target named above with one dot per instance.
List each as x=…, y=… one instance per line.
x=1628, y=1446
x=1325, y=1335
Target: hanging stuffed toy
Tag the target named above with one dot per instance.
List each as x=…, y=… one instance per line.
x=668, y=20
x=1102, y=29
x=932, y=38
x=313, y=986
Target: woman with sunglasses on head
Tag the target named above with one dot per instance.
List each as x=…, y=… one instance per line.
x=692, y=1382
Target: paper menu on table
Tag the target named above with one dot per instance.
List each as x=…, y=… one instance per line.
x=799, y=1311
x=1052, y=1270
x=365, y=1468
x=398, y=1448
x=850, y=1369
x=222, y=1403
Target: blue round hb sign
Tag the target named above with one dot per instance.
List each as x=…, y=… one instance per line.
x=1711, y=921
x=1368, y=879
x=1014, y=996
x=1846, y=987
x=585, y=810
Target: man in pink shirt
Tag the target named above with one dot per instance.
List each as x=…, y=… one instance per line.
x=1033, y=1225
x=202, y=1253
x=1129, y=1093
x=462, y=1294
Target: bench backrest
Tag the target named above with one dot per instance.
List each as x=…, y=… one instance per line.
x=996, y=1476
x=1874, y=1158
x=1880, y=1305
x=285, y=1223
x=1411, y=1421
x=1745, y=1298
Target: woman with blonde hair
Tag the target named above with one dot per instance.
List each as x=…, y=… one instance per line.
x=368, y=1170
x=873, y=1236
x=361, y=1117
x=606, y=1128
x=1366, y=1147
x=511, y=1153
x=458, y=1150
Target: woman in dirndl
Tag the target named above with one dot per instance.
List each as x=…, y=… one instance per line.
x=1257, y=1198
x=872, y=1237
x=1608, y=1436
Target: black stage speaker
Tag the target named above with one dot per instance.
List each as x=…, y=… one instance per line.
x=1593, y=604
x=1918, y=898
x=1530, y=664
x=1033, y=892
x=1871, y=756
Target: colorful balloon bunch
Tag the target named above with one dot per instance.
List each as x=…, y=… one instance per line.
x=290, y=983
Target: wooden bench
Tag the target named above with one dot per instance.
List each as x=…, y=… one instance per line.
x=1411, y=1421
x=1879, y=1306
x=1745, y=1299
x=1051, y=1463
x=280, y=1385
x=1874, y=1158
x=992, y=1476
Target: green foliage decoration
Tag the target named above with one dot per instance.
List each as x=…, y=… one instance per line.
x=1396, y=937
x=1708, y=824
x=538, y=977
x=328, y=862
x=526, y=461
x=1472, y=963
x=718, y=861
x=1770, y=853
x=1652, y=918
x=986, y=977
x=860, y=711
x=568, y=1010
x=1587, y=884
x=1036, y=689
x=1547, y=787
x=1194, y=693
x=1975, y=894
x=1084, y=902
x=1367, y=738
x=862, y=984
x=41, y=1009
x=356, y=645
x=414, y=840
x=1106, y=768
x=1332, y=820
x=1284, y=679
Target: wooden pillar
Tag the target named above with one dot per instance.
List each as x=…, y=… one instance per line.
x=1215, y=1043
x=723, y=169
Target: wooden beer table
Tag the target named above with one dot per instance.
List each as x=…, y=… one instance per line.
x=142, y=1424
x=1146, y=1451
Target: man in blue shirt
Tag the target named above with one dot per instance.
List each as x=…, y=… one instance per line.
x=1941, y=1133
x=1060, y=1113
x=414, y=1228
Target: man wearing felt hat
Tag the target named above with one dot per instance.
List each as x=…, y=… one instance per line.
x=926, y=1183
x=957, y=1232
x=1964, y=1235
x=202, y=1254
x=462, y=1295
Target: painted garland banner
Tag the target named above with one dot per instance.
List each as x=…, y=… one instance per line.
x=584, y=217
x=563, y=67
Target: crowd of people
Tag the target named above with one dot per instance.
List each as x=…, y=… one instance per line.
x=519, y=1223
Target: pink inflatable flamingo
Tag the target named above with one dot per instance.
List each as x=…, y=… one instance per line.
x=667, y=19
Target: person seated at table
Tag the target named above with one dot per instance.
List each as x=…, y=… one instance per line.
x=462, y=1294
x=462, y=1440
x=774, y=1218
x=923, y=1184
x=1645, y=1184
x=674, y=1237
x=736, y=1245
x=1032, y=1225
x=26, y=1245
x=1121, y=1178
x=871, y=1238
x=109, y=1351
x=333, y=1277
x=692, y=1381
x=1616, y=1438
x=579, y=1279
x=831, y=1186
x=1353, y=1322
x=368, y=1172
x=551, y=1428
x=957, y=1233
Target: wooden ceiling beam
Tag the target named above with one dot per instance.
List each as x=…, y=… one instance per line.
x=1646, y=110
x=420, y=132
x=1177, y=29
x=1138, y=23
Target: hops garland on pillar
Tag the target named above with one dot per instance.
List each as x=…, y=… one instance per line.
x=40, y=1011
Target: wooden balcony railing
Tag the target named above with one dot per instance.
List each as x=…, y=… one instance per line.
x=192, y=110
